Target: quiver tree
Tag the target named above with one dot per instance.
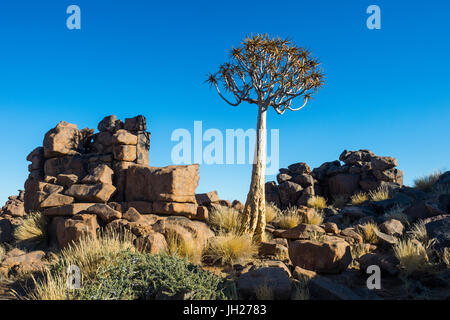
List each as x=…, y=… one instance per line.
x=268, y=73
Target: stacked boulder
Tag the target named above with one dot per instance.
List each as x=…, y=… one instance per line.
x=83, y=181
x=362, y=171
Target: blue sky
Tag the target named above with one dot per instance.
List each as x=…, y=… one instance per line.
x=386, y=90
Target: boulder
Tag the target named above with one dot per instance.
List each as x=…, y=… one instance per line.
x=172, y=183
x=331, y=227
x=108, y=124
x=66, y=165
x=345, y=184
x=439, y=228
x=202, y=213
x=99, y=174
x=143, y=207
x=302, y=231
x=124, y=152
x=71, y=230
x=272, y=248
x=272, y=193
x=283, y=177
x=385, y=239
x=124, y=137
x=383, y=163
x=104, y=212
x=204, y=199
x=351, y=233
x=14, y=208
x=356, y=157
x=138, y=123
x=153, y=243
x=91, y=193
x=67, y=210
x=321, y=288
x=329, y=256
x=64, y=139
x=56, y=200
x=142, y=147
x=289, y=192
x=186, y=229
x=299, y=168
x=251, y=283
x=132, y=215
x=21, y=262
x=387, y=263
x=392, y=227
x=305, y=180
x=66, y=180
x=175, y=208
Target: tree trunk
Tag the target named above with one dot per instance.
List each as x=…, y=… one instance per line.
x=253, y=219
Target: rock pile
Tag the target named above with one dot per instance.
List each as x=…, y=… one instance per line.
x=362, y=171
x=83, y=181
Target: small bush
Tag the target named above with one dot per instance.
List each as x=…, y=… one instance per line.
x=33, y=229
x=316, y=218
x=426, y=183
x=411, y=254
x=339, y=201
x=367, y=231
x=379, y=194
x=419, y=232
x=183, y=248
x=289, y=218
x=230, y=249
x=317, y=202
x=272, y=212
x=225, y=219
x=359, y=198
x=396, y=213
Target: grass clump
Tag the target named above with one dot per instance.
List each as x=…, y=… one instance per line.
x=397, y=213
x=111, y=269
x=272, y=212
x=380, y=194
x=317, y=202
x=225, y=219
x=411, y=254
x=229, y=249
x=316, y=218
x=289, y=218
x=419, y=232
x=426, y=183
x=33, y=229
x=183, y=247
x=359, y=198
x=367, y=232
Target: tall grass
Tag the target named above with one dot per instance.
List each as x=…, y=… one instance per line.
x=228, y=249
x=397, y=213
x=367, y=232
x=359, y=198
x=426, y=183
x=289, y=218
x=183, y=247
x=225, y=219
x=317, y=202
x=380, y=194
x=411, y=254
x=272, y=212
x=33, y=228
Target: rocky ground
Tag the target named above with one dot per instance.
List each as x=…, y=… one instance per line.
x=326, y=227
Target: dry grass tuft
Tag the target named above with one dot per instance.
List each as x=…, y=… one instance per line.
x=301, y=289
x=426, y=183
x=367, y=231
x=289, y=218
x=272, y=212
x=317, y=202
x=183, y=248
x=359, y=198
x=419, y=232
x=396, y=213
x=225, y=219
x=229, y=249
x=33, y=228
x=379, y=194
x=411, y=254
x=88, y=253
x=316, y=218
x=357, y=251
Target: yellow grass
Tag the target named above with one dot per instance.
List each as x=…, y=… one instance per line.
x=88, y=253
x=272, y=212
x=367, y=231
x=425, y=183
x=289, y=218
x=316, y=218
x=317, y=202
x=359, y=198
x=379, y=194
x=419, y=231
x=225, y=219
x=229, y=249
x=411, y=254
x=183, y=248
x=32, y=229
